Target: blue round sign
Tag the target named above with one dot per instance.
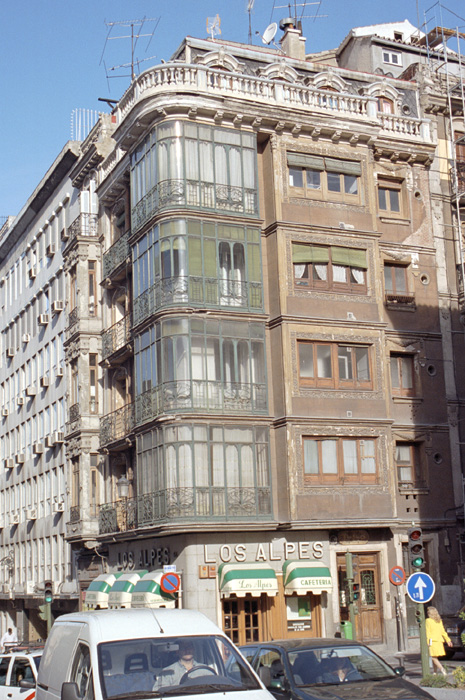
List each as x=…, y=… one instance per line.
x=420, y=587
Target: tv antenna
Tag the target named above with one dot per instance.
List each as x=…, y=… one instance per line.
x=250, y=5
x=136, y=27
x=213, y=26
x=297, y=18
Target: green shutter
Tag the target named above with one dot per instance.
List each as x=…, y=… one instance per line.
x=347, y=167
x=301, y=160
x=302, y=253
x=352, y=257
x=195, y=256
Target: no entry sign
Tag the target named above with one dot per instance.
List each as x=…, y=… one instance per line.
x=170, y=583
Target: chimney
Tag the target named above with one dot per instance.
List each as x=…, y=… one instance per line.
x=292, y=42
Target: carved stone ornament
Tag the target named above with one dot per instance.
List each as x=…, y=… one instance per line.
x=73, y=447
x=353, y=537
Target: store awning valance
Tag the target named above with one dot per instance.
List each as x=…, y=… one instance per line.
x=120, y=594
x=304, y=577
x=243, y=579
x=147, y=593
x=99, y=589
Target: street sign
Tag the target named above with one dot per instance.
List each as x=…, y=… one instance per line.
x=420, y=587
x=397, y=576
x=170, y=583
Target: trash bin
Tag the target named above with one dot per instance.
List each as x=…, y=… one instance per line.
x=346, y=629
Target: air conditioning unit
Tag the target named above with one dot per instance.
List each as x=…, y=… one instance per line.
x=32, y=272
x=64, y=234
x=20, y=400
x=9, y=463
x=31, y=513
x=43, y=319
x=50, y=250
x=44, y=381
x=26, y=337
x=58, y=437
x=31, y=390
x=58, y=507
x=59, y=372
x=49, y=441
x=5, y=412
x=57, y=306
x=37, y=448
x=10, y=352
x=14, y=519
x=20, y=458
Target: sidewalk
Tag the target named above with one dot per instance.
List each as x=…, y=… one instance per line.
x=412, y=665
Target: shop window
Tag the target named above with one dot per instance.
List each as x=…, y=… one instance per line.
x=408, y=464
x=324, y=178
x=242, y=619
x=299, y=613
x=340, y=460
x=402, y=374
x=333, y=365
x=331, y=268
x=390, y=197
x=396, y=287
x=392, y=57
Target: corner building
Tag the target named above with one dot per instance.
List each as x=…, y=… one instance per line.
x=271, y=361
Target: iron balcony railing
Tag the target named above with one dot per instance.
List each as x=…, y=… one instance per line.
x=202, y=395
x=194, y=290
x=116, y=255
x=83, y=225
x=186, y=503
x=74, y=412
x=73, y=317
x=116, y=425
x=117, y=336
x=401, y=298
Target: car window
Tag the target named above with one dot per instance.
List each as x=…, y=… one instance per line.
x=331, y=665
x=4, y=664
x=22, y=671
x=248, y=652
x=81, y=673
x=269, y=666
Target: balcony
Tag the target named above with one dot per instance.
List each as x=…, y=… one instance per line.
x=83, y=225
x=201, y=395
x=117, y=339
x=74, y=412
x=116, y=255
x=198, y=291
x=402, y=299
x=117, y=425
x=199, y=504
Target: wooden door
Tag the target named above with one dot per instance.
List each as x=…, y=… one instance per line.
x=369, y=617
x=244, y=619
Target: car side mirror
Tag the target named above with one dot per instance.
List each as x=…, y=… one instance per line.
x=69, y=691
x=400, y=670
x=27, y=684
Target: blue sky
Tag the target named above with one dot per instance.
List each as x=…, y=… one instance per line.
x=51, y=51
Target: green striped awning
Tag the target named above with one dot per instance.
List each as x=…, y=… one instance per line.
x=304, y=577
x=243, y=579
x=147, y=593
x=99, y=589
x=120, y=594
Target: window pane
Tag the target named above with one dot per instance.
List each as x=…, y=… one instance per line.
x=349, y=450
x=306, y=360
x=388, y=278
x=313, y=180
x=329, y=456
x=296, y=177
x=407, y=374
x=394, y=200
x=345, y=362
x=339, y=273
x=310, y=457
x=401, y=285
x=350, y=184
x=324, y=370
x=382, y=198
x=367, y=451
x=334, y=182
x=395, y=373
x=320, y=272
x=363, y=365
x=403, y=453
x=405, y=473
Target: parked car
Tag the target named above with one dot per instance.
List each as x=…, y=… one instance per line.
x=18, y=673
x=329, y=669
x=143, y=653
x=454, y=626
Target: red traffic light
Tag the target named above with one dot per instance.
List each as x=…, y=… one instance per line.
x=415, y=534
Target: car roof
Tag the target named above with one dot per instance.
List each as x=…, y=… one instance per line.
x=309, y=643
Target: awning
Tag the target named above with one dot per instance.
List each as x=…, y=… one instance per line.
x=304, y=577
x=241, y=579
x=120, y=594
x=147, y=593
x=99, y=588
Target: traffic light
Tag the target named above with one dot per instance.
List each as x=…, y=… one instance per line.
x=356, y=590
x=43, y=612
x=416, y=551
x=48, y=591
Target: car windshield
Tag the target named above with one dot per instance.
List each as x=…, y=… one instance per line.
x=330, y=665
x=144, y=668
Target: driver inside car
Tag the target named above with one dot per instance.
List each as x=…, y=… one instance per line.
x=172, y=675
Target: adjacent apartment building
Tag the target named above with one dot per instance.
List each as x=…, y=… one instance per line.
x=262, y=340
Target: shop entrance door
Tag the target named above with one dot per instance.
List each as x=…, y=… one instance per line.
x=368, y=621
x=244, y=619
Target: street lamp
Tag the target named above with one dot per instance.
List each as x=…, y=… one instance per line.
x=122, y=486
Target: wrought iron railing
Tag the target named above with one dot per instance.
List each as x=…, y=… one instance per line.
x=202, y=395
x=186, y=503
x=74, y=412
x=73, y=316
x=117, y=336
x=117, y=425
x=83, y=225
x=116, y=255
x=402, y=298
x=194, y=193
x=193, y=290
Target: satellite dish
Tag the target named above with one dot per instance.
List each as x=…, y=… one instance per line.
x=270, y=33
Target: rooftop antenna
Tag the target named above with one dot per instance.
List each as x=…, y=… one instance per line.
x=297, y=19
x=213, y=26
x=136, y=26
x=250, y=5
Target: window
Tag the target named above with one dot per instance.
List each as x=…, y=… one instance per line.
x=402, y=382
x=94, y=499
x=93, y=396
x=392, y=57
x=408, y=465
x=81, y=673
x=74, y=383
x=340, y=460
x=329, y=267
x=91, y=272
x=332, y=365
x=324, y=178
x=396, y=285
x=72, y=288
x=75, y=482
x=389, y=196
x=385, y=105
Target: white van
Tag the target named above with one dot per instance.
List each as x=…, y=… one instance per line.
x=143, y=653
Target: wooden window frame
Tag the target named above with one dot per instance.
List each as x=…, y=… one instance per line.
x=394, y=295
x=93, y=382
x=324, y=192
x=341, y=477
x=308, y=279
x=335, y=381
x=400, y=358
x=92, y=287
x=417, y=479
x=388, y=186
